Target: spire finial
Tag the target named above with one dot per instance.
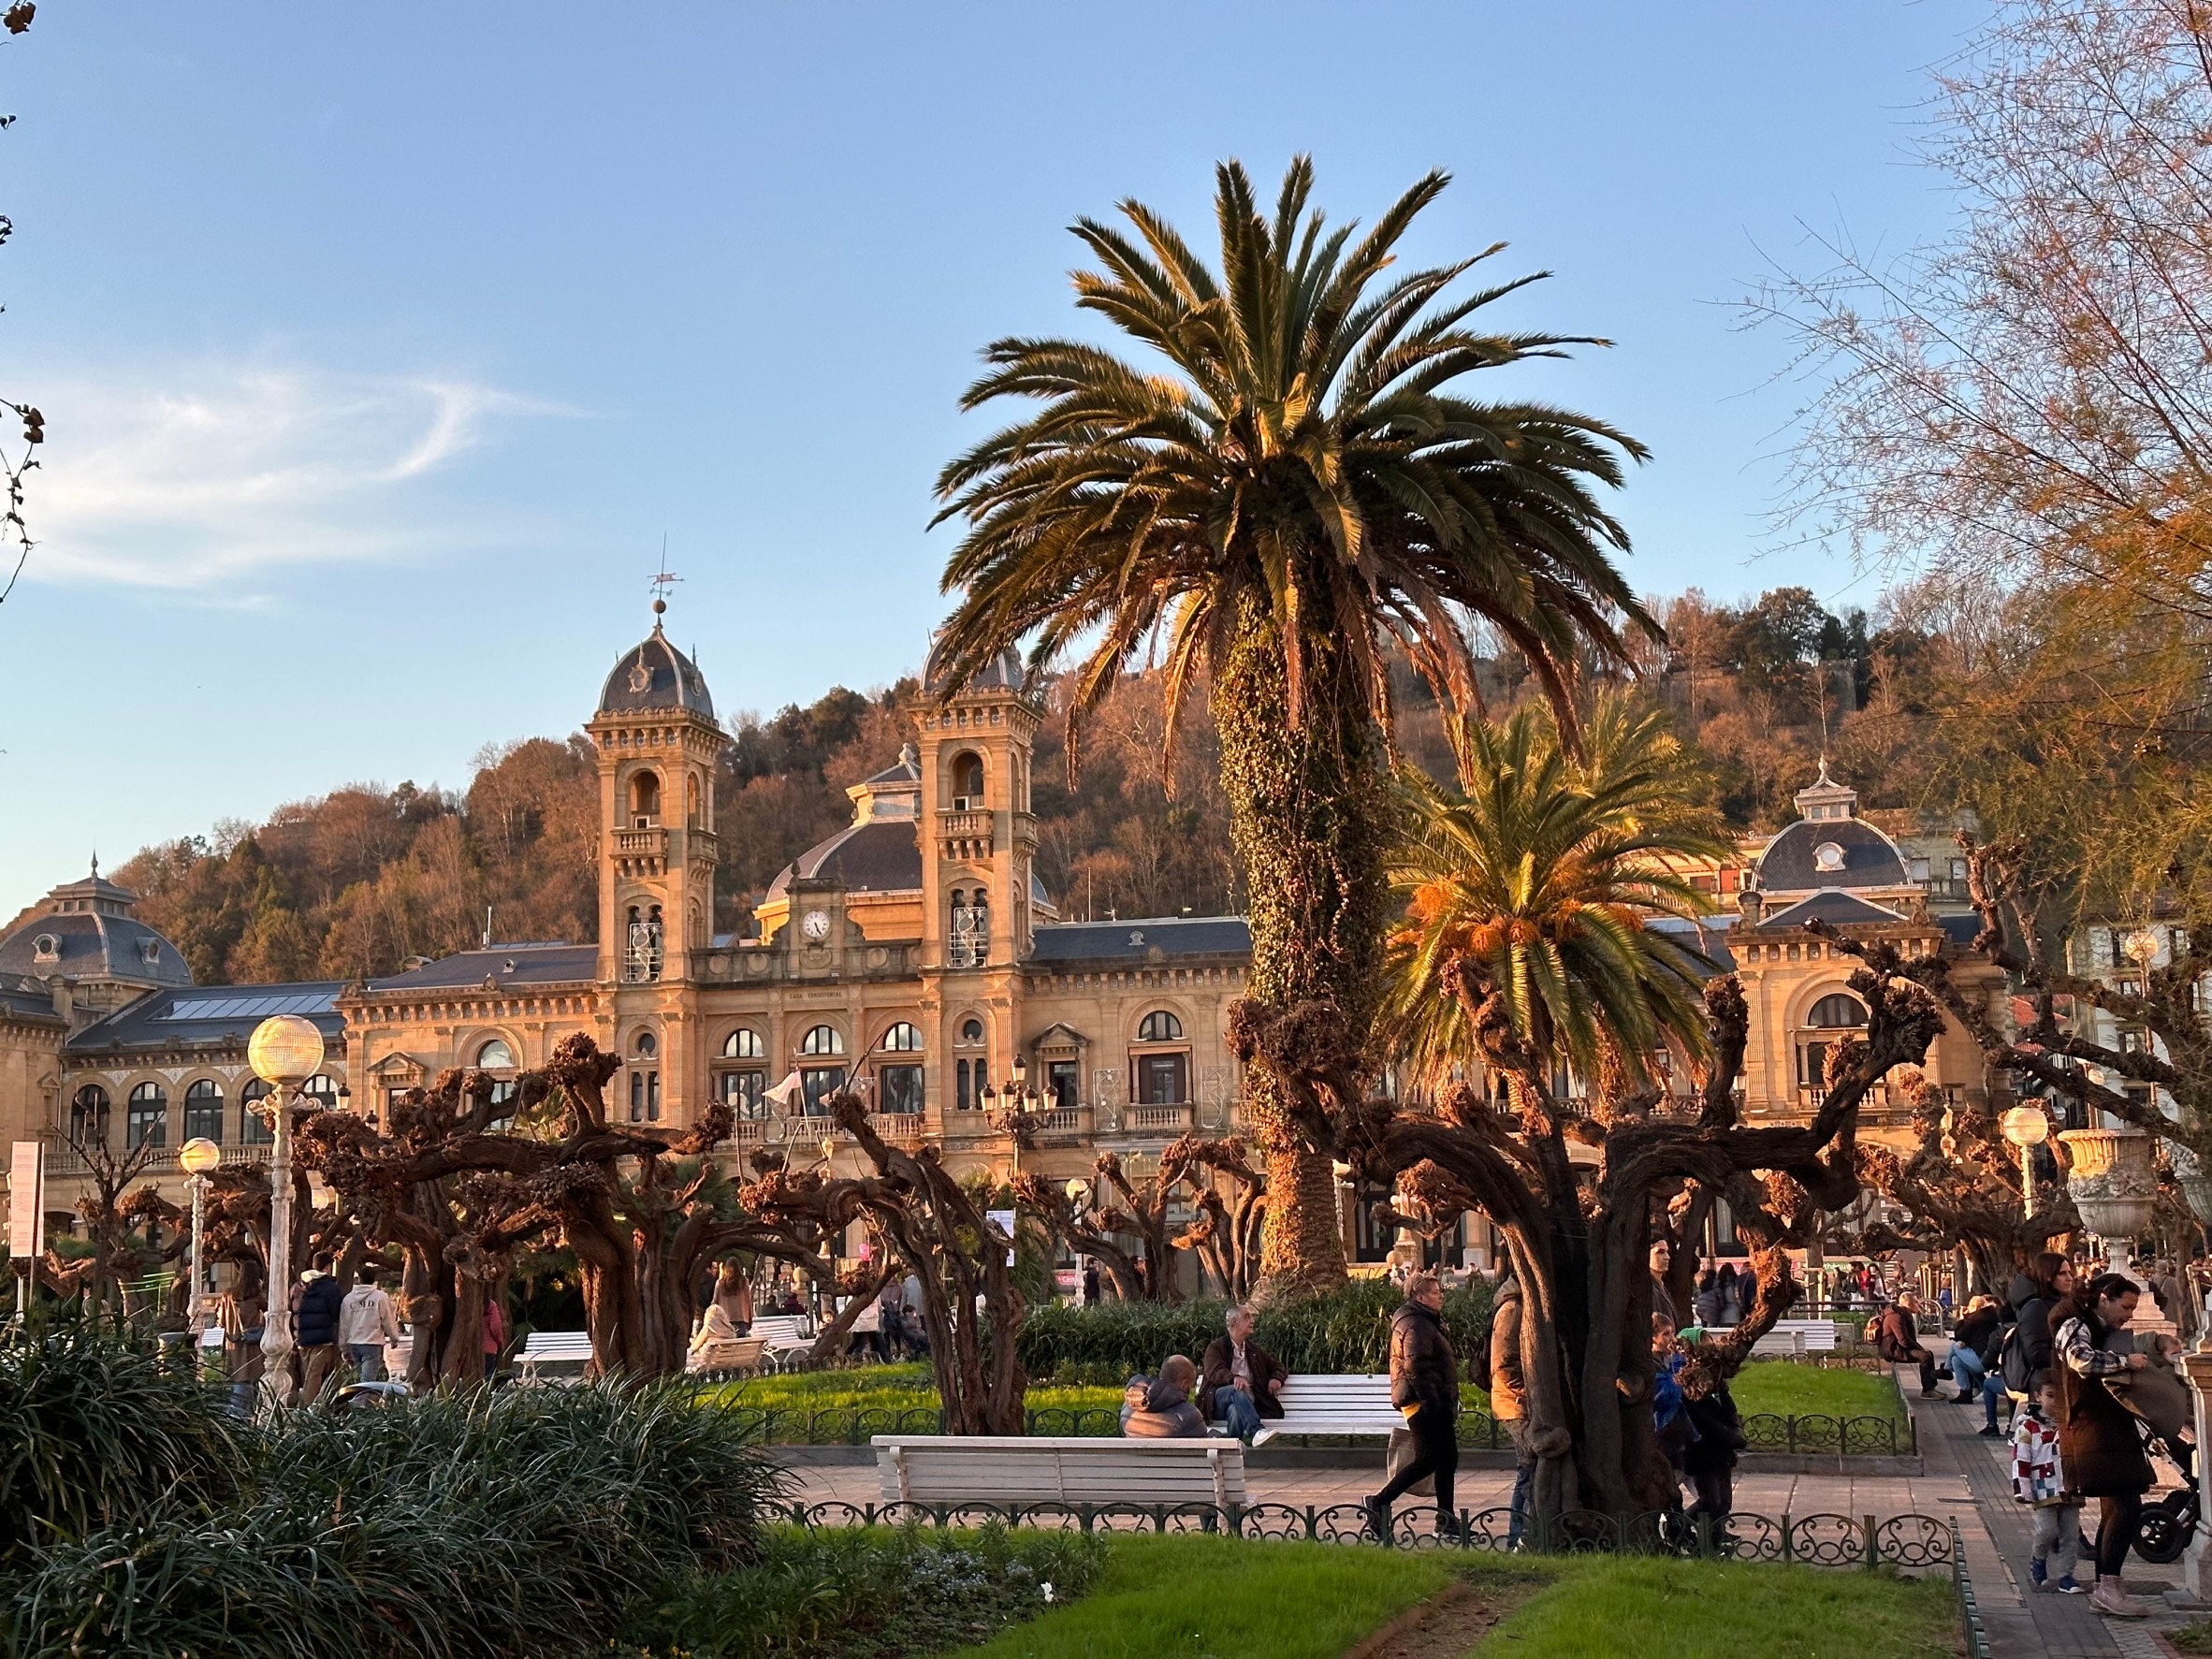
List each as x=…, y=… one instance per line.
x=662, y=580
x=95, y=864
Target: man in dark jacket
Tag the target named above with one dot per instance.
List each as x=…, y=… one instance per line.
x=1239, y=1381
x=1897, y=1338
x=315, y=1303
x=1425, y=1388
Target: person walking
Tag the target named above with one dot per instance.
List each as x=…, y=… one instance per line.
x=2039, y=1481
x=1090, y=1283
x=1709, y=1296
x=367, y=1322
x=1662, y=1261
x=1425, y=1389
x=315, y=1303
x=495, y=1334
x=1710, y=1460
x=1895, y=1336
x=1240, y=1382
x=2098, y=1442
x=1508, y=1401
x=2030, y=1350
x=243, y=1310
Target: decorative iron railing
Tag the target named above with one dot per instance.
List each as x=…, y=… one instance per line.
x=1910, y=1543
x=853, y=1425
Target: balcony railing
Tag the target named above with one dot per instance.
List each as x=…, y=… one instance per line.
x=65, y=1160
x=1159, y=1119
x=964, y=833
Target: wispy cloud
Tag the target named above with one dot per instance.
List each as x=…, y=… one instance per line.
x=210, y=475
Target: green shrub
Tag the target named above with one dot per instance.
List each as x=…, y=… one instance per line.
x=870, y=1593
x=96, y=1430
x=521, y=1522
x=1346, y=1331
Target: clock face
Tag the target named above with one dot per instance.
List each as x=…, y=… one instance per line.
x=815, y=924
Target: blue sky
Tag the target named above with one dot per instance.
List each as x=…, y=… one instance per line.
x=379, y=348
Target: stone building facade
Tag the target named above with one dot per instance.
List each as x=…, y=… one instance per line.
x=913, y=955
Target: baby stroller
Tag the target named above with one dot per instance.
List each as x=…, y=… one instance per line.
x=2159, y=1402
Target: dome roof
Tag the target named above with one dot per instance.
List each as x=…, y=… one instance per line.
x=1004, y=675
x=653, y=677
x=1836, y=853
x=86, y=931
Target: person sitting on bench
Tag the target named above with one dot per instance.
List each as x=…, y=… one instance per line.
x=1160, y=1409
x=1242, y=1381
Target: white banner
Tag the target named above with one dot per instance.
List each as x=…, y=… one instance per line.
x=26, y=1201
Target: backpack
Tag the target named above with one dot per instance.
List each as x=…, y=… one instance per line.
x=2012, y=1361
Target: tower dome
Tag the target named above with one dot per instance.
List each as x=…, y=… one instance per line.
x=653, y=676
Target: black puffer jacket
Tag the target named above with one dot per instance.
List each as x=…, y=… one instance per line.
x=1422, y=1369
x=316, y=1324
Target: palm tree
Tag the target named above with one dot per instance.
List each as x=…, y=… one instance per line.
x=1535, y=886
x=1287, y=491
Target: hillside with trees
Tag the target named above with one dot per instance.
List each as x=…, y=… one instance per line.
x=1942, y=698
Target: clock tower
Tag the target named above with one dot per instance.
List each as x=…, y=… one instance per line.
x=657, y=743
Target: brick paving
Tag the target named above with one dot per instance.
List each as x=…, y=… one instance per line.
x=1967, y=1478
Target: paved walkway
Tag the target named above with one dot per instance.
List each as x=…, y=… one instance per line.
x=1967, y=1478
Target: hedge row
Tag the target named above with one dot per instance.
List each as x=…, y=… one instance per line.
x=1347, y=1330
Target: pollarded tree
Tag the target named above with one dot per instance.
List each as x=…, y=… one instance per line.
x=1290, y=483
x=913, y=1205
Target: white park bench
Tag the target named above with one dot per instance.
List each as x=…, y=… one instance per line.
x=1793, y=1339
x=780, y=1335
x=570, y=1350
x=739, y=1353
x=1059, y=1469
x=1320, y=1402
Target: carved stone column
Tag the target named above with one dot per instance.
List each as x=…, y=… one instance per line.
x=2196, y=1571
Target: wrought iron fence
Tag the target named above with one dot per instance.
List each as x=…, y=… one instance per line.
x=1910, y=1543
x=853, y=1425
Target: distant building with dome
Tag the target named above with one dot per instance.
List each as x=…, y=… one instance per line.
x=914, y=955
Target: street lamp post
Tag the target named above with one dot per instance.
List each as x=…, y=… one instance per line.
x=2027, y=1129
x=284, y=1052
x=197, y=1158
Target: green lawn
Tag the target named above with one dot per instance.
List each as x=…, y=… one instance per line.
x=1790, y=1390
x=1776, y=1386
x=1682, y=1609
x=1224, y=1600
x=1221, y=1599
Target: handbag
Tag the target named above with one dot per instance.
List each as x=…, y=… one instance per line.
x=1404, y=1452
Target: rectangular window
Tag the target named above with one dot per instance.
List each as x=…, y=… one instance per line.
x=1161, y=1079
x=899, y=1089
x=742, y=1090
x=818, y=1084
x=1813, y=1063
x=253, y=1128
x=1063, y=1085
x=644, y=1096
x=203, y=1115
x=967, y=1075
x=149, y=1122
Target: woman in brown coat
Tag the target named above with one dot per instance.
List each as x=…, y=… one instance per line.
x=2098, y=1446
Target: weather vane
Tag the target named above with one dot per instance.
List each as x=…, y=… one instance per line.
x=662, y=580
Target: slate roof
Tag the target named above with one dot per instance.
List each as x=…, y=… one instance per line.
x=509, y=964
x=1870, y=857
x=653, y=676
x=210, y=1017
x=93, y=945
x=1707, y=934
x=1004, y=674
x=884, y=855
x=31, y=1004
x=1963, y=928
x=1844, y=910
x=1135, y=940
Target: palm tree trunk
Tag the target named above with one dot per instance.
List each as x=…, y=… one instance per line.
x=1305, y=816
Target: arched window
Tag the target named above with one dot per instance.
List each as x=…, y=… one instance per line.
x=1159, y=1026
x=253, y=1128
x=645, y=799
x=322, y=1088
x=495, y=1055
x=1838, y=1012
x=203, y=1109
x=88, y=1115
x=972, y=928
x=691, y=801
x=902, y=1039
x=968, y=781
x=743, y=1044
x=969, y=1075
x=822, y=1040
x=147, y=1123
